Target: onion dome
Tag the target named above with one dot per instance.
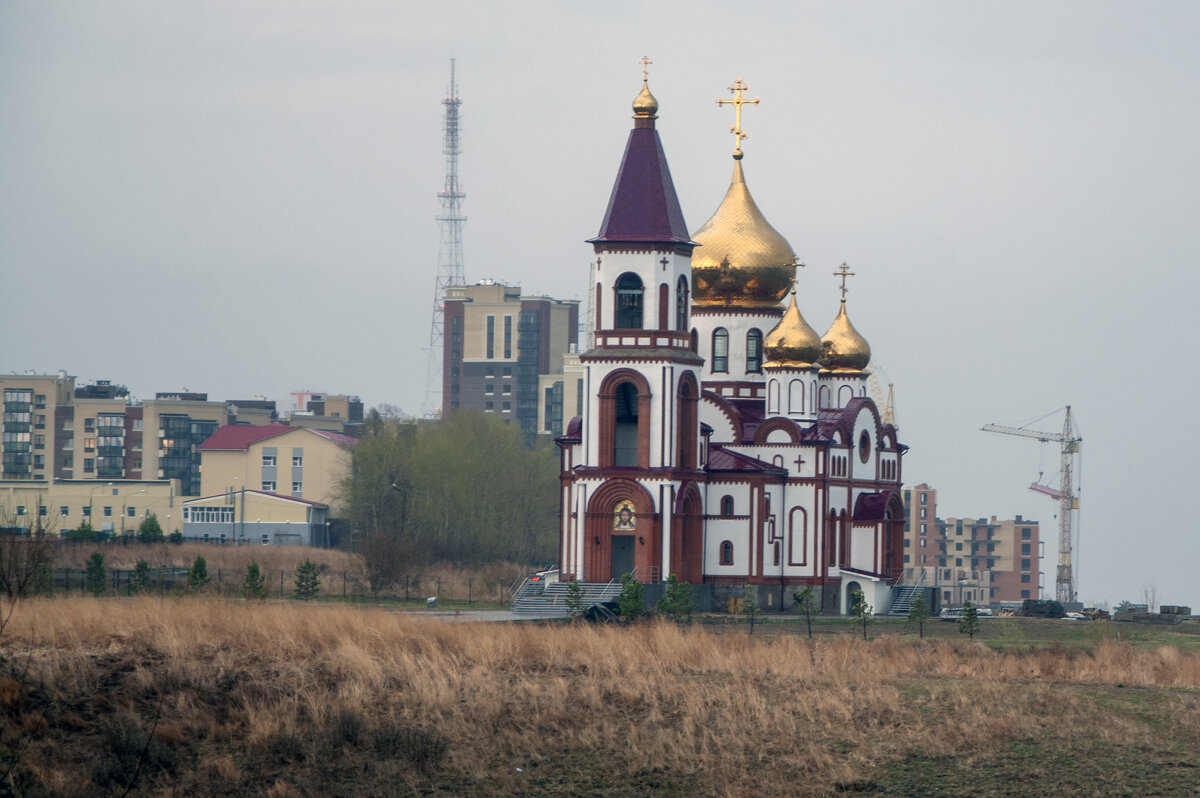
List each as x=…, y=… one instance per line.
x=792, y=342
x=644, y=105
x=843, y=348
x=742, y=261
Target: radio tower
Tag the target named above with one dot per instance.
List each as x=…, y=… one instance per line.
x=450, y=252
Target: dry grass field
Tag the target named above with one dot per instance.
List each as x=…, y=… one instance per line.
x=213, y=697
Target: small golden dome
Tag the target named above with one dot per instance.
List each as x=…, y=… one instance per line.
x=742, y=260
x=792, y=342
x=644, y=105
x=843, y=348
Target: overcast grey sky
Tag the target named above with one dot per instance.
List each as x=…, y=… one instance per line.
x=239, y=198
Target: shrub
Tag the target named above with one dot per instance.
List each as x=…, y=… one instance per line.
x=968, y=624
x=308, y=581
x=139, y=580
x=860, y=613
x=198, y=574
x=631, y=603
x=175, y=537
x=918, y=613
x=806, y=603
x=677, y=602
x=254, y=586
x=150, y=531
x=94, y=577
x=85, y=531
x=752, y=611
x=574, y=600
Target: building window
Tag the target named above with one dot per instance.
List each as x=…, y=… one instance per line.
x=108, y=511
x=489, y=406
x=489, y=387
x=268, y=461
x=506, y=407
x=1025, y=548
x=269, y=487
x=507, y=389
x=754, y=351
x=64, y=511
x=958, y=547
x=727, y=507
x=1026, y=533
x=131, y=512
x=922, y=529
x=681, y=305
x=923, y=497
x=720, y=350
x=89, y=425
x=1025, y=578
x=39, y=400
x=726, y=552
x=298, y=461
x=507, y=337
x=297, y=487
x=629, y=302
x=1024, y=565
x=923, y=541
x=922, y=512
x=266, y=540
x=42, y=510
x=490, y=351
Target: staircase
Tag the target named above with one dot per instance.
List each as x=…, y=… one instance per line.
x=549, y=600
x=903, y=594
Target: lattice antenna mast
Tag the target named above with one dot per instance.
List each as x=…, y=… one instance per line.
x=450, y=251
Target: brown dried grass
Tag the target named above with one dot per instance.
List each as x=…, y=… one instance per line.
x=713, y=714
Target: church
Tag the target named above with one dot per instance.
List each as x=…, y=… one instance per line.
x=722, y=439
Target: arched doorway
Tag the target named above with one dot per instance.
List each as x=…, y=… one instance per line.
x=687, y=537
x=851, y=589
x=623, y=533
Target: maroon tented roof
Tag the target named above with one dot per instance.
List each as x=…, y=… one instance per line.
x=643, y=206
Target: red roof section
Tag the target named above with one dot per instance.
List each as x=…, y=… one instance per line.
x=643, y=206
x=240, y=437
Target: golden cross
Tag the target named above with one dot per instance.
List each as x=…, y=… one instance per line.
x=645, y=62
x=843, y=272
x=738, y=90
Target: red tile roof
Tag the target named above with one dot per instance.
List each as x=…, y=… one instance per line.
x=240, y=437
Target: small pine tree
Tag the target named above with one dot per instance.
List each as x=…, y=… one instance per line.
x=150, y=531
x=175, y=537
x=139, y=580
x=918, y=612
x=631, y=603
x=574, y=600
x=806, y=602
x=308, y=581
x=198, y=574
x=85, y=531
x=94, y=577
x=254, y=586
x=677, y=601
x=752, y=611
x=968, y=624
x=860, y=613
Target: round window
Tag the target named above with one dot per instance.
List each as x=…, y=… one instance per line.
x=864, y=446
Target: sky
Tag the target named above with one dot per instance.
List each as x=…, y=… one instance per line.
x=240, y=198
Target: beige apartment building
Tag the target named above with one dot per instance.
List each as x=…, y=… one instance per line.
x=982, y=560
x=297, y=462
x=117, y=507
x=498, y=344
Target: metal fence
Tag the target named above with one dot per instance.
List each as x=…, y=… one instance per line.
x=281, y=583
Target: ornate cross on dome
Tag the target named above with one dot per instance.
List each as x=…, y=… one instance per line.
x=843, y=272
x=645, y=62
x=738, y=90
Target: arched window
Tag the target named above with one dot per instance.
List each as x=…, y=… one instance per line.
x=625, y=439
x=720, y=350
x=695, y=340
x=681, y=305
x=664, y=300
x=754, y=351
x=727, y=507
x=726, y=552
x=629, y=302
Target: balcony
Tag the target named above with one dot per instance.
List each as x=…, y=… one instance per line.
x=18, y=407
x=110, y=451
x=17, y=426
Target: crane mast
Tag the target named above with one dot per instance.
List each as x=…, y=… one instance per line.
x=1065, y=494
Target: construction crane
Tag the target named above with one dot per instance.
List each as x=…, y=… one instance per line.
x=1065, y=493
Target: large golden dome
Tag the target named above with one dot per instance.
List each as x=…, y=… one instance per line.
x=792, y=342
x=742, y=261
x=843, y=348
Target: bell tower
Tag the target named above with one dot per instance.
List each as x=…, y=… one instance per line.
x=638, y=448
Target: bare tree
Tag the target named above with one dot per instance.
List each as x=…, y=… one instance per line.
x=1150, y=595
x=24, y=562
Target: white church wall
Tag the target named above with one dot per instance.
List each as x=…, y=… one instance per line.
x=737, y=326
x=862, y=548
x=723, y=430
x=648, y=267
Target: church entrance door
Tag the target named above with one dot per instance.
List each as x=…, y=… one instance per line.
x=622, y=555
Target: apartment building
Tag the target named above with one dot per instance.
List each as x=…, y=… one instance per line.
x=497, y=344
x=982, y=560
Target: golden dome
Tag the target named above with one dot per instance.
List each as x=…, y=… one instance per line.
x=843, y=348
x=742, y=260
x=644, y=105
x=792, y=342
